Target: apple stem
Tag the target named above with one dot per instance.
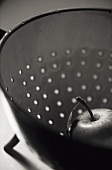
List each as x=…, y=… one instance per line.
x=82, y=101
x=69, y=123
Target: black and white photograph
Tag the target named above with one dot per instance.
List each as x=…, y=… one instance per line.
x=55, y=84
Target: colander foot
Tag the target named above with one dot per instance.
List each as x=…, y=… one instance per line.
x=9, y=146
x=15, y=154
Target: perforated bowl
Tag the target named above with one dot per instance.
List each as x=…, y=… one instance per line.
x=46, y=62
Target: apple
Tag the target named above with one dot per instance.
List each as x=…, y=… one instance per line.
x=93, y=127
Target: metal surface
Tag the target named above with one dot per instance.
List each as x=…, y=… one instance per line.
x=51, y=59
x=21, y=157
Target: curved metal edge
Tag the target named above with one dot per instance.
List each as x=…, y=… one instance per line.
x=41, y=15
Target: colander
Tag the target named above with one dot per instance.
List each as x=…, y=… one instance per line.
x=45, y=63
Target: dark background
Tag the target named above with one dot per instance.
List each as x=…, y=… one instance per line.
x=15, y=11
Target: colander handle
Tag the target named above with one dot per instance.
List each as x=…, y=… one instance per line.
x=2, y=32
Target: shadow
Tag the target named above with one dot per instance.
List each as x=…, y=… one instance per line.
x=16, y=155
